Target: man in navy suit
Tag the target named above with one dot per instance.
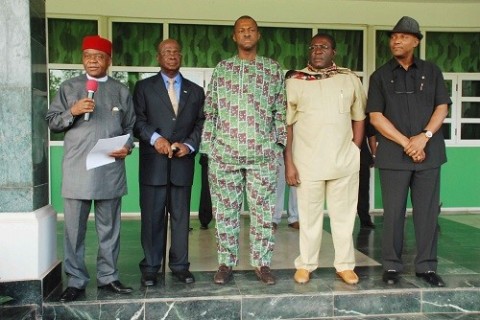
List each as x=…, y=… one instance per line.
x=169, y=110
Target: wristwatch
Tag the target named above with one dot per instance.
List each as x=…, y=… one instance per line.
x=428, y=133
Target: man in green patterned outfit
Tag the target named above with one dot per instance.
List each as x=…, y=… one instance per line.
x=244, y=135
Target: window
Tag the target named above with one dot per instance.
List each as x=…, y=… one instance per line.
x=65, y=39
x=349, y=48
x=288, y=46
x=203, y=46
x=135, y=44
x=64, y=53
x=456, y=53
x=382, y=45
x=448, y=129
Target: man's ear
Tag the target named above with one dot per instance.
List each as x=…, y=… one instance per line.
x=417, y=42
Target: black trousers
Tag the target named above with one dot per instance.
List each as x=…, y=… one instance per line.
x=424, y=187
x=205, y=208
x=363, y=205
x=152, y=205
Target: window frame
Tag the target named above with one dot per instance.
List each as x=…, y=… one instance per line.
x=456, y=109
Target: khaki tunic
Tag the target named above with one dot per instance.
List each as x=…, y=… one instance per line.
x=323, y=109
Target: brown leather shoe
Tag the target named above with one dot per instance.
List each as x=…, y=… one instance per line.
x=224, y=274
x=348, y=276
x=275, y=226
x=302, y=276
x=264, y=274
x=294, y=225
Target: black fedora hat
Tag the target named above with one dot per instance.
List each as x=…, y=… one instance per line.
x=407, y=25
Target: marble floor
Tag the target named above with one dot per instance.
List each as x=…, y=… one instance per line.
x=324, y=297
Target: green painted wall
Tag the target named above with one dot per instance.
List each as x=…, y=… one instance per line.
x=460, y=176
x=130, y=202
x=459, y=189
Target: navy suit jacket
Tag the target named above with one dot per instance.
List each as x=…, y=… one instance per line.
x=155, y=113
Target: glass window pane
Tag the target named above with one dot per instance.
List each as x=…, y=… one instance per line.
x=65, y=39
x=57, y=76
x=56, y=136
x=454, y=51
x=470, y=131
x=349, y=48
x=382, y=47
x=289, y=46
x=130, y=78
x=203, y=46
x=449, y=84
x=470, y=88
x=446, y=130
x=135, y=44
x=449, y=114
x=470, y=109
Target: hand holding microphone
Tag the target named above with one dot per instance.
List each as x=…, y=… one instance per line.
x=92, y=87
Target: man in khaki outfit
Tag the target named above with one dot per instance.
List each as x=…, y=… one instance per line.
x=325, y=118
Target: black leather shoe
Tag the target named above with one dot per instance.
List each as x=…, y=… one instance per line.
x=367, y=225
x=391, y=277
x=432, y=278
x=184, y=276
x=116, y=287
x=204, y=226
x=71, y=294
x=149, y=279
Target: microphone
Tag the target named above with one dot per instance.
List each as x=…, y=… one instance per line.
x=92, y=87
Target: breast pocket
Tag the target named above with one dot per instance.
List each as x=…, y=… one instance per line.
x=116, y=117
x=345, y=100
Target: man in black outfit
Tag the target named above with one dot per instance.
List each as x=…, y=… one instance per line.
x=169, y=110
x=205, y=207
x=407, y=103
x=367, y=160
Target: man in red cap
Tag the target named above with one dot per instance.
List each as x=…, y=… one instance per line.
x=84, y=121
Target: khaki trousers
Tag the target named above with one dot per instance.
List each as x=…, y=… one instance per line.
x=341, y=196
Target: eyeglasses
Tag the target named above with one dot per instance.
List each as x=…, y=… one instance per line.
x=166, y=53
x=94, y=56
x=319, y=47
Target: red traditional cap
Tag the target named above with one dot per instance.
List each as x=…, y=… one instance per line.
x=97, y=43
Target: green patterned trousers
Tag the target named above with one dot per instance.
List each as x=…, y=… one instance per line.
x=227, y=185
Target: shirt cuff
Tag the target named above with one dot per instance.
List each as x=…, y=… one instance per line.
x=154, y=138
x=192, y=150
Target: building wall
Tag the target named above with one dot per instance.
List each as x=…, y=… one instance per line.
x=459, y=180
x=381, y=13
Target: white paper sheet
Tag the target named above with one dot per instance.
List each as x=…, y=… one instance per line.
x=98, y=156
